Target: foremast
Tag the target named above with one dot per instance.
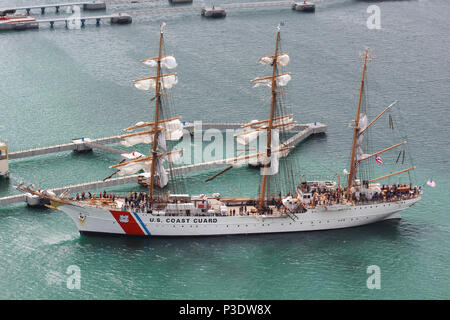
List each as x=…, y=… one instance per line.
x=157, y=104
x=163, y=128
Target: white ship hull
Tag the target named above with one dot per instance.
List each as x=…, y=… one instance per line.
x=100, y=220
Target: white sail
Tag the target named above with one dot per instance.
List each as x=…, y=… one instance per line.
x=133, y=140
x=147, y=84
x=173, y=129
x=361, y=124
x=163, y=177
x=274, y=164
x=246, y=138
x=282, y=60
x=281, y=81
x=168, y=62
x=133, y=168
x=169, y=81
x=161, y=143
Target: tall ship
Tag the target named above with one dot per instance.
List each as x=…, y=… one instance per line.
x=281, y=204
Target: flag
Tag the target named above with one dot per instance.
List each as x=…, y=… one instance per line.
x=378, y=159
x=431, y=183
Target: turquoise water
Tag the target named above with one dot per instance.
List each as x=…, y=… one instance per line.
x=62, y=84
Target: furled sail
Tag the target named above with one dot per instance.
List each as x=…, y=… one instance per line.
x=281, y=81
x=361, y=124
x=168, y=62
x=161, y=143
x=163, y=177
x=245, y=138
x=133, y=168
x=136, y=139
x=282, y=60
x=147, y=84
x=173, y=130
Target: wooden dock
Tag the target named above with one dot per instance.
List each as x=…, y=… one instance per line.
x=304, y=131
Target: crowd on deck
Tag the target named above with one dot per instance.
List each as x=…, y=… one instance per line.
x=139, y=201
x=362, y=194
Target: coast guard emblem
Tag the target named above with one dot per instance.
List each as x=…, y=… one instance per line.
x=124, y=218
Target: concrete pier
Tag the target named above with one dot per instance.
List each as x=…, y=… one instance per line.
x=304, y=131
x=75, y=145
x=86, y=5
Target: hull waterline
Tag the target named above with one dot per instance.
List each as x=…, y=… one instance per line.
x=103, y=221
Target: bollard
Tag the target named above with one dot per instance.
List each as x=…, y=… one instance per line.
x=82, y=22
x=28, y=10
x=57, y=9
x=52, y=23
x=66, y=23
x=98, y=21
x=42, y=10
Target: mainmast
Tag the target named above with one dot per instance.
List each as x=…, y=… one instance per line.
x=269, y=127
x=356, y=127
x=156, y=122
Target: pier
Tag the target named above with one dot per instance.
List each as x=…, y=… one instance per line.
x=86, y=5
x=126, y=18
x=84, y=144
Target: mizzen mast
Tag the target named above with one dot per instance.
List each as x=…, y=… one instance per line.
x=356, y=128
